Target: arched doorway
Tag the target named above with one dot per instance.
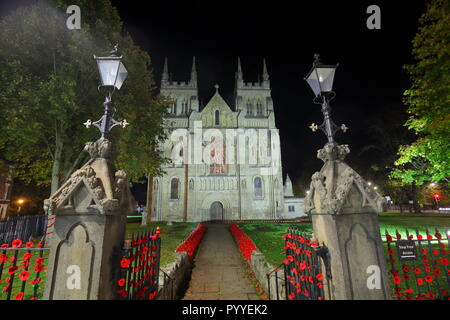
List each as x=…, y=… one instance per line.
x=216, y=211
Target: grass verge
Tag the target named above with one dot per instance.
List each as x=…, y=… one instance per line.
x=171, y=236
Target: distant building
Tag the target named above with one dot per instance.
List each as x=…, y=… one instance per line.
x=5, y=190
x=292, y=206
x=243, y=180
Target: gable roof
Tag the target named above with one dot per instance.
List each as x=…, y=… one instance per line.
x=217, y=103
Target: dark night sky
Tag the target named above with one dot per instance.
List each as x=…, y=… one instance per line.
x=369, y=79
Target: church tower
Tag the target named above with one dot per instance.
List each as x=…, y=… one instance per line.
x=253, y=99
x=183, y=94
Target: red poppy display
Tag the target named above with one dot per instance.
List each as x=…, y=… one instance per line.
x=121, y=282
x=124, y=263
x=36, y=281
x=12, y=269
x=19, y=296
x=27, y=256
x=246, y=245
x=16, y=243
x=38, y=268
x=29, y=245
x=396, y=280
x=39, y=260
x=24, y=275
x=191, y=244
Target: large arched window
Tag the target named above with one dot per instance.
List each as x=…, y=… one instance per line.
x=217, y=117
x=258, y=187
x=174, y=188
x=217, y=152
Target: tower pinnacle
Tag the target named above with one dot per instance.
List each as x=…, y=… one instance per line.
x=265, y=74
x=165, y=75
x=239, y=70
x=193, y=71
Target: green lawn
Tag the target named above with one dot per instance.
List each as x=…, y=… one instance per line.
x=17, y=283
x=171, y=236
x=268, y=239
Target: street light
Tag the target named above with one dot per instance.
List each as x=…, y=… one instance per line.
x=20, y=203
x=320, y=78
x=112, y=74
x=112, y=71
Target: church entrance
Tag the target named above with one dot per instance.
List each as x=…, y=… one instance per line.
x=216, y=211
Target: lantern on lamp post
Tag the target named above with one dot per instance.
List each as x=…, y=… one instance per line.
x=320, y=79
x=112, y=75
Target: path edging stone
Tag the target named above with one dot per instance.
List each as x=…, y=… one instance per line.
x=180, y=272
x=261, y=268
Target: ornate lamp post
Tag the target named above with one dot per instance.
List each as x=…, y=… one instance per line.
x=343, y=207
x=112, y=74
x=91, y=209
x=320, y=79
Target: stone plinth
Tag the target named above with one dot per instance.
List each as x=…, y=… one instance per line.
x=86, y=246
x=344, y=215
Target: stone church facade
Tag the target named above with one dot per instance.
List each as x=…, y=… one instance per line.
x=225, y=161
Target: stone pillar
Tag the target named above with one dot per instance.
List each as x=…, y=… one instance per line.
x=344, y=215
x=85, y=248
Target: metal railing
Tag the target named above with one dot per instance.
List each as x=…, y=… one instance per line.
x=418, y=264
x=306, y=270
x=22, y=269
x=22, y=227
x=166, y=290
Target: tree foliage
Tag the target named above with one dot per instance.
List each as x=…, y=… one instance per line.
x=49, y=85
x=428, y=100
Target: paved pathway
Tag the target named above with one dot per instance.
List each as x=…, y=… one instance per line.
x=219, y=272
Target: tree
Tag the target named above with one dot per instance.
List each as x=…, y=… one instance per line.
x=49, y=88
x=428, y=100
